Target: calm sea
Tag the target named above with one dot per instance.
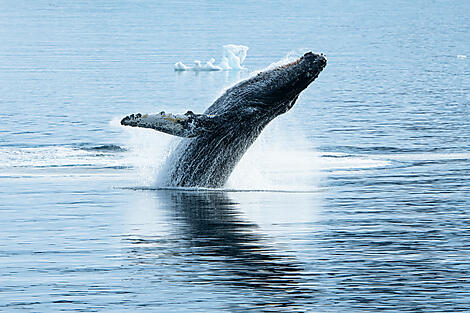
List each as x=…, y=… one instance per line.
x=357, y=200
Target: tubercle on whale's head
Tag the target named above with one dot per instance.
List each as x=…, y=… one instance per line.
x=278, y=88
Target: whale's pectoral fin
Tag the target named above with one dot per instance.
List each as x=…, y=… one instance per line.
x=183, y=125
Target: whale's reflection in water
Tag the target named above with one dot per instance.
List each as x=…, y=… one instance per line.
x=215, y=247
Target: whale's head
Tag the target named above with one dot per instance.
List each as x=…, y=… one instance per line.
x=275, y=91
x=280, y=87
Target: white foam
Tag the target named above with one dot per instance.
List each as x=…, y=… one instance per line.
x=290, y=57
x=278, y=160
x=283, y=158
x=232, y=59
x=148, y=151
x=424, y=156
x=461, y=56
x=57, y=156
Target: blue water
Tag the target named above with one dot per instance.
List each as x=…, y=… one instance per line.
x=357, y=200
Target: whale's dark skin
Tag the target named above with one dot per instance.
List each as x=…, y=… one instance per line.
x=217, y=139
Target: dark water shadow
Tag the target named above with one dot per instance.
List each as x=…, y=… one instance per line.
x=235, y=253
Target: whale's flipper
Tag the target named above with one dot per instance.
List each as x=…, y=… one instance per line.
x=183, y=125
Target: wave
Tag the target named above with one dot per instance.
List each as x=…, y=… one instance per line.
x=214, y=190
x=99, y=156
x=277, y=162
x=107, y=148
x=382, y=149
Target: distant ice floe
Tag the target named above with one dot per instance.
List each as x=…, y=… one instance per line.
x=232, y=59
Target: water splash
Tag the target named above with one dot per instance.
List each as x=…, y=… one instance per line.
x=278, y=160
x=148, y=152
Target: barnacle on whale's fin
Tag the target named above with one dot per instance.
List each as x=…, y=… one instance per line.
x=183, y=125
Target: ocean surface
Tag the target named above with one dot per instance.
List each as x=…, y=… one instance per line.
x=356, y=200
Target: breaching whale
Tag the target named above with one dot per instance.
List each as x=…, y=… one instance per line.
x=216, y=140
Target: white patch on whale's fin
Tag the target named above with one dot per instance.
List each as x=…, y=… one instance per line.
x=183, y=125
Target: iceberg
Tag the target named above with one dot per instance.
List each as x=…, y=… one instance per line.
x=209, y=66
x=232, y=60
x=233, y=57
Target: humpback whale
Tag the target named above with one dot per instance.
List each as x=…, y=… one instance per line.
x=214, y=142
